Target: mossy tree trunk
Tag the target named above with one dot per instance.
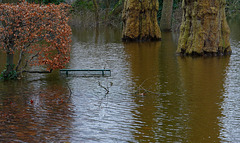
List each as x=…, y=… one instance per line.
x=204, y=28
x=140, y=20
x=166, y=18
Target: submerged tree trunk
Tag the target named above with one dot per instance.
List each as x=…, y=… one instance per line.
x=204, y=28
x=140, y=20
x=9, y=66
x=166, y=18
x=9, y=62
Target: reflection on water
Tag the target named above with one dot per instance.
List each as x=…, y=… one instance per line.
x=156, y=95
x=202, y=80
x=34, y=111
x=160, y=108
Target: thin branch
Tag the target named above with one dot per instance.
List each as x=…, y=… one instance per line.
x=20, y=60
x=106, y=88
x=30, y=60
x=103, y=87
x=140, y=87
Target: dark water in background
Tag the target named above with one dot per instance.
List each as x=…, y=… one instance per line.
x=156, y=95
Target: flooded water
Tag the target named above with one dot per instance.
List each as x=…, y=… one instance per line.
x=152, y=95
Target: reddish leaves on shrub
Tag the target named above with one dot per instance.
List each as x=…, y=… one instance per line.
x=39, y=33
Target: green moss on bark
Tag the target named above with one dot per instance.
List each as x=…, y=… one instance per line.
x=204, y=28
x=140, y=21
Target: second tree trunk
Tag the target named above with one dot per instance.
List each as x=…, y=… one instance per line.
x=204, y=28
x=140, y=20
x=166, y=18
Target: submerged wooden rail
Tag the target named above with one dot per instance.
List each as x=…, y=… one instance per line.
x=86, y=72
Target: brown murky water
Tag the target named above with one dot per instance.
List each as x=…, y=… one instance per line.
x=156, y=95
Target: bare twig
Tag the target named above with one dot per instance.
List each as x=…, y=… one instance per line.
x=22, y=68
x=140, y=87
x=106, y=88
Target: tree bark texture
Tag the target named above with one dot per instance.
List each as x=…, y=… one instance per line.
x=166, y=18
x=140, y=20
x=9, y=62
x=204, y=29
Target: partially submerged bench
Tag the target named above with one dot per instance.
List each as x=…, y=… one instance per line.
x=86, y=72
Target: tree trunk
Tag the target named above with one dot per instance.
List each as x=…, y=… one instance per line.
x=9, y=66
x=96, y=11
x=107, y=4
x=166, y=18
x=140, y=20
x=204, y=28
